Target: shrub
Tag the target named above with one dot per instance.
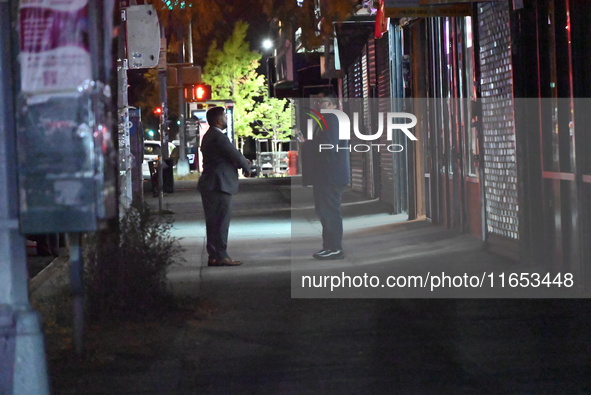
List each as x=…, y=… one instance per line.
x=125, y=269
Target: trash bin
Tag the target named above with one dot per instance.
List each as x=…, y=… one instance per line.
x=168, y=176
x=292, y=157
x=153, y=166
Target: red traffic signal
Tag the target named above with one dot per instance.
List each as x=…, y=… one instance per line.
x=158, y=111
x=198, y=93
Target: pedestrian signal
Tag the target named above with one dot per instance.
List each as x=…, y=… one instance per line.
x=198, y=93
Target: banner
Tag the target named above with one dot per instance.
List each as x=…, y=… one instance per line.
x=54, y=45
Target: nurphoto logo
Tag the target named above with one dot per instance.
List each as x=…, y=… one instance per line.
x=389, y=122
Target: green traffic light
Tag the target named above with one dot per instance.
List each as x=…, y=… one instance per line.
x=172, y=4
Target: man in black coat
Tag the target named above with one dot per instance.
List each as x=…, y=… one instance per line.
x=217, y=184
x=330, y=175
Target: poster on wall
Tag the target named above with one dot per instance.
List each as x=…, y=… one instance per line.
x=54, y=46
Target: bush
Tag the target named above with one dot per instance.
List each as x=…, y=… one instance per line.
x=125, y=269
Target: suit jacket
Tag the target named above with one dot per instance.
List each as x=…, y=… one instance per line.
x=221, y=160
x=329, y=166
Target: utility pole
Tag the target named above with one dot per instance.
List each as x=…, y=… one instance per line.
x=183, y=163
x=22, y=353
x=183, y=74
x=163, y=136
x=182, y=166
x=125, y=158
x=139, y=48
x=124, y=148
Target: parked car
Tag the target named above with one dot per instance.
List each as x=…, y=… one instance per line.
x=151, y=152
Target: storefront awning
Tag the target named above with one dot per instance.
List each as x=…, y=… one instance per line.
x=425, y=8
x=351, y=38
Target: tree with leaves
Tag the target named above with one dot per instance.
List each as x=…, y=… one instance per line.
x=211, y=20
x=231, y=71
x=275, y=119
x=206, y=20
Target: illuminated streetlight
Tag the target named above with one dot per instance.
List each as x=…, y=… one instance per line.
x=267, y=44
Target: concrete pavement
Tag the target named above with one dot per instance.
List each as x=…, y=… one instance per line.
x=250, y=333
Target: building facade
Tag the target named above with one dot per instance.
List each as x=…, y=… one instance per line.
x=503, y=153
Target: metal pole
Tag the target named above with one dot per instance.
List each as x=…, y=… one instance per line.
x=125, y=157
x=182, y=166
x=163, y=152
x=77, y=286
x=162, y=121
x=22, y=356
x=190, y=42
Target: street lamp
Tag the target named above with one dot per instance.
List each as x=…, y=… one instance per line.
x=267, y=44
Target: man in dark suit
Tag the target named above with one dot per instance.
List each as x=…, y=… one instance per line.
x=217, y=184
x=330, y=175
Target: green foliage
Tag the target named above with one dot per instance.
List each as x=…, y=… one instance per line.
x=275, y=116
x=231, y=71
x=125, y=271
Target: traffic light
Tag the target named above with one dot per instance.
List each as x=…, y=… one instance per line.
x=158, y=111
x=202, y=92
x=198, y=93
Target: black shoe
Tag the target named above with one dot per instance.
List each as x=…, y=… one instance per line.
x=223, y=262
x=329, y=254
x=319, y=253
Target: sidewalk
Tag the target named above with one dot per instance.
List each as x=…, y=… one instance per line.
x=243, y=331
x=262, y=213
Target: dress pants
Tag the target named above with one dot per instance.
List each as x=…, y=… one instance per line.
x=217, y=207
x=327, y=202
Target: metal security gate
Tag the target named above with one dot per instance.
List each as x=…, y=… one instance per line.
x=355, y=91
x=383, y=91
x=399, y=160
x=553, y=134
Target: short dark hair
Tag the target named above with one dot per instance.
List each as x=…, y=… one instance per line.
x=328, y=93
x=214, y=113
